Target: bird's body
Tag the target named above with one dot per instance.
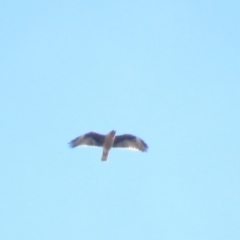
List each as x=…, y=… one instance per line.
x=107, y=144
x=108, y=141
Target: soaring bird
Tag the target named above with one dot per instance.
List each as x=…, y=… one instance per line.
x=108, y=141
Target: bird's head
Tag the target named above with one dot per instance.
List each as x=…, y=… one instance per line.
x=113, y=132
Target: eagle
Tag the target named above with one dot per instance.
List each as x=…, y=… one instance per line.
x=108, y=141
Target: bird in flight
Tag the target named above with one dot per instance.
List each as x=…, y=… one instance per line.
x=108, y=141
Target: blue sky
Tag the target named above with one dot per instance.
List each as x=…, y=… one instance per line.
x=167, y=72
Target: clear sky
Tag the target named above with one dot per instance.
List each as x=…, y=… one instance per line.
x=166, y=71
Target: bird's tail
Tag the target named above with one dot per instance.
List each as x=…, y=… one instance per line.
x=104, y=155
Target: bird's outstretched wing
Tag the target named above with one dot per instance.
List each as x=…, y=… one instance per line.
x=90, y=139
x=130, y=141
